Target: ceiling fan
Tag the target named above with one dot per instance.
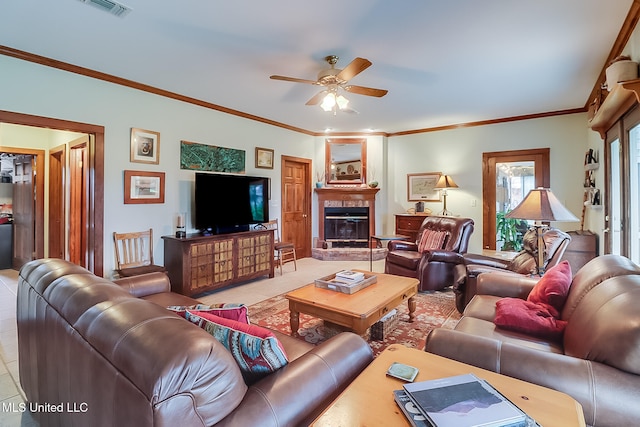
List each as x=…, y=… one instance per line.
x=334, y=79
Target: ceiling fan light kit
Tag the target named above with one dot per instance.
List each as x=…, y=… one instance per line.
x=334, y=79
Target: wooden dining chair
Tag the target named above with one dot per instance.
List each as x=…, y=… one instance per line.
x=284, y=251
x=134, y=253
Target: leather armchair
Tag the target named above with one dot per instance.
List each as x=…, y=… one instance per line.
x=466, y=274
x=433, y=268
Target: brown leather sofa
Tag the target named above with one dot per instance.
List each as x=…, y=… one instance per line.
x=114, y=356
x=596, y=361
x=465, y=275
x=434, y=268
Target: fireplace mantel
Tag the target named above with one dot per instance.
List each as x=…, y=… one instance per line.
x=346, y=196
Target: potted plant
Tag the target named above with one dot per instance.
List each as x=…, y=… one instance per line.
x=508, y=232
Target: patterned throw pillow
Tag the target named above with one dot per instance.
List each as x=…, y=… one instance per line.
x=432, y=239
x=230, y=311
x=256, y=350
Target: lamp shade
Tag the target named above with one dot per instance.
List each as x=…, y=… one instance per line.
x=541, y=205
x=445, y=181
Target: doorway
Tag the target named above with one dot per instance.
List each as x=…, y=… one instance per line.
x=27, y=204
x=94, y=164
x=507, y=177
x=296, y=204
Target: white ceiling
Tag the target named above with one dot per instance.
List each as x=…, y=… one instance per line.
x=444, y=62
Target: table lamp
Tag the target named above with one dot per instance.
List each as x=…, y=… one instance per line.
x=443, y=183
x=541, y=205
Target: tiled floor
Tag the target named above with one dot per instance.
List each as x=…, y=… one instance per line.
x=11, y=395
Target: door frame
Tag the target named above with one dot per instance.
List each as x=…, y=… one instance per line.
x=57, y=208
x=540, y=157
x=95, y=223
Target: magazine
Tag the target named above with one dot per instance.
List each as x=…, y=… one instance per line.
x=464, y=401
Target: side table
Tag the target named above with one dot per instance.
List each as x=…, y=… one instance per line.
x=379, y=238
x=369, y=399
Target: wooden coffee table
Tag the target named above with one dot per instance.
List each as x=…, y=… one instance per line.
x=356, y=311
x=368, y=401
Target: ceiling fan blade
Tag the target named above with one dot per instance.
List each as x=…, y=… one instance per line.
x=293, y=79
x=354, y=68
x=317, y=98
x=369, y=91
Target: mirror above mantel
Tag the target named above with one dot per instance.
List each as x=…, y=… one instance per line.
x=346, y=161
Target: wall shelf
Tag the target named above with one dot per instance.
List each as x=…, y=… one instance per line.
x=620, y=99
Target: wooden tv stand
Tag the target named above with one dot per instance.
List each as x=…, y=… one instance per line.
x=199, y=263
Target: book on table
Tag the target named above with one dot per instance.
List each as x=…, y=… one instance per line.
x=415, y=417
x=464, y=401
x=352, y=276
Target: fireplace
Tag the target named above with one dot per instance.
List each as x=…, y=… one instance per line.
x=346, y=227
x=346, y=219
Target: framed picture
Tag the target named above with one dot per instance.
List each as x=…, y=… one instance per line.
x=421, y=187
x=143, y=187
x=145, y=146
x=264, y=158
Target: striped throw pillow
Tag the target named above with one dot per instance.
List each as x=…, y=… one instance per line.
x=432, y=239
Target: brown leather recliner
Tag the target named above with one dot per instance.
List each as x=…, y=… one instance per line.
x=597, y=359
x=434, y=268
x=466, y=274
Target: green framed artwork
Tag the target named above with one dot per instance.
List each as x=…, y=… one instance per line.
x=203, y=157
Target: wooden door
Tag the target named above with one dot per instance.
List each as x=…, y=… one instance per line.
x=296, y=204
x=56, y=202
x=23, y=211
x=78, y=198
x=540, y=157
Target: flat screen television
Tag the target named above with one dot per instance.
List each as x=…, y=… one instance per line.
x=230, y=203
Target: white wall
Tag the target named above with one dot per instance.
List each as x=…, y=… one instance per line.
x=458, y=153
x=33, y=89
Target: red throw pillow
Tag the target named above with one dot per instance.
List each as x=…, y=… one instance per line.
x=553, y=288
x=524, y=316
x=232, y=311
x=431, y=239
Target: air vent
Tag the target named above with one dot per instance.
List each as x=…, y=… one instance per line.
x=109, y=6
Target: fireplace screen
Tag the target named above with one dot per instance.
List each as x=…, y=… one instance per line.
x=347, y=226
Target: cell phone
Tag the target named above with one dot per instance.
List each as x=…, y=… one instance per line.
x=402, y=372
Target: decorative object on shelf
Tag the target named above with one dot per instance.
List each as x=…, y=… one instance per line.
x=145, y=146
x=202, y=157
x=591, y=196
x=264, y=158
x=319, y=179
x=372, y=178
x=444, y=183
x=142, y=187
x=421, y=187
x=541, y=205
x=621, y=69
x=181, y=225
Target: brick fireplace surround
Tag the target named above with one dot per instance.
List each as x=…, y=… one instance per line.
x=346, y=197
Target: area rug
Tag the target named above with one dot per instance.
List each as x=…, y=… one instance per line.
x=433, y=310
